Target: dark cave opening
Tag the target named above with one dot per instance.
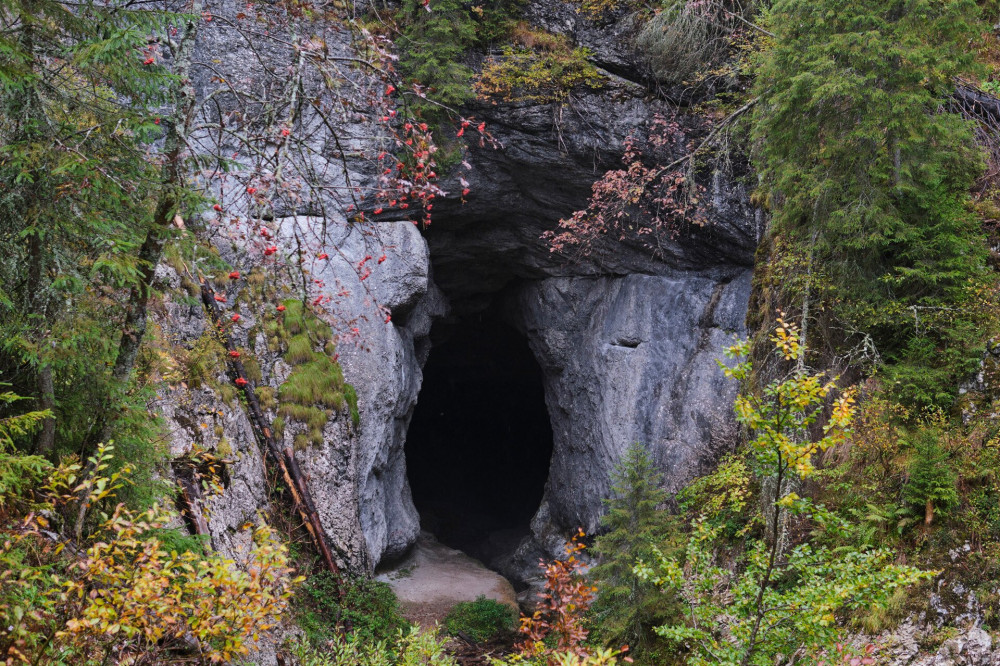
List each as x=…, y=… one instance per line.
x=480, y=441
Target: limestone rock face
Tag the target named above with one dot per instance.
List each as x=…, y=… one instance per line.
x=631, y=359
x=382, y=360
x=627, y=341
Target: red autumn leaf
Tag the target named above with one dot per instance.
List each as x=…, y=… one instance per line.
x=270, y=250
x=235, y=317
x=241, y=382
x=235, y=275
x=381, y=259
x=234, y=354
x=220, y=298
x=281, y=308
x=251, y=190
x=217, y=208
x=322, y=255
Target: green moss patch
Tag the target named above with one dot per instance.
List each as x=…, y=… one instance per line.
x=315, y=389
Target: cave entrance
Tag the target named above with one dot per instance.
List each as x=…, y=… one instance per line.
x=480, y=441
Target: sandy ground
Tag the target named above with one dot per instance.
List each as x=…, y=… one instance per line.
x=433, y=578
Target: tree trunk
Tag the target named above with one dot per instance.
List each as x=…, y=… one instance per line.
x=47, y=400
x=178, y=124
x=929, y=513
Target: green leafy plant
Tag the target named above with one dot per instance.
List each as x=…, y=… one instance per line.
x=482, y=619
x=413, y=647
x=326, y=603
x=777, y=602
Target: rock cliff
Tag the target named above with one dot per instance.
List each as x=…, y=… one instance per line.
x=626, y=341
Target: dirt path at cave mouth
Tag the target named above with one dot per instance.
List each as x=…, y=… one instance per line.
x=433, y=578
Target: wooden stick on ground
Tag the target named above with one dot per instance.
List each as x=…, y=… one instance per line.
x=284, y=458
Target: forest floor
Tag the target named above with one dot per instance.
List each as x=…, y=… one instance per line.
x=432, y=578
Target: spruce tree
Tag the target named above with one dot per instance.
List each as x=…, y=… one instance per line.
x=78, y=87
x=435, y=39
x=931, y=482
x=627, y=607
x=867, y=175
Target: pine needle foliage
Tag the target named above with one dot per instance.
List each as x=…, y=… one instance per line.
x=868, y=174
x=627, y=607
x=18, y=473
x=79, y=85
x=931, y=482
x=436, y=36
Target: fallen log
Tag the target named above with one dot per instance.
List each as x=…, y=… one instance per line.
x=283, y=457
x=977, y=104
x=191, y=504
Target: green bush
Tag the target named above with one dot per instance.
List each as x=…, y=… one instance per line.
x=177, y=541
x=481, y=619
x=410, y=648
x=931, y=482
x=369, y=606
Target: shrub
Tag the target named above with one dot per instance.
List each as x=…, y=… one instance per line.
x=412, y=648
x=682, y=41
x=126, y=596
x=775, y=602
x=421, y=648
x=481, y=619
x=541, y=68
x=558, y=625
x=370, y=607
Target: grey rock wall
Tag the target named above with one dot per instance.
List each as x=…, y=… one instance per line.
x=626, y=341
x=631, y=359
